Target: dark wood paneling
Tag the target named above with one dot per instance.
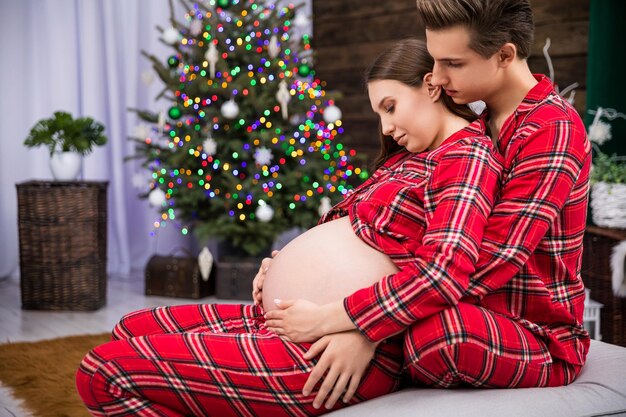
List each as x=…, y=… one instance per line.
x=348, y=34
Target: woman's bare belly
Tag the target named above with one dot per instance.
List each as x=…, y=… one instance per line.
x=324, y=264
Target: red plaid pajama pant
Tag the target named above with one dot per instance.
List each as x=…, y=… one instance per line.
x=210, y=360
x=472, y=346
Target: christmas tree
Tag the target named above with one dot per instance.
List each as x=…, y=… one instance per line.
x=246, y=146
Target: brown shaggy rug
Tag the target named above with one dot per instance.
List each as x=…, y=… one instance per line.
x=42, y=373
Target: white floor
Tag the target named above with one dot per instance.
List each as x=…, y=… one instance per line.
x=124, y=294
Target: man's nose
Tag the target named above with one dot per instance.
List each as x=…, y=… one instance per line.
x=439, y=78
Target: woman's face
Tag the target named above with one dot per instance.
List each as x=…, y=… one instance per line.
x=407, y=114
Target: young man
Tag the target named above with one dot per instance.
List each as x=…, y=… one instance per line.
x=528, y=273
x=519, y=320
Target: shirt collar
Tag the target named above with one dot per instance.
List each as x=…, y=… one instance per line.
x=538, y=93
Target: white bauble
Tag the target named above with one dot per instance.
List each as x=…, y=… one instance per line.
x=195, y=28
x=324, y=206
x=147, y=77
x=263, y=156
x=142, y=131
x=599, y=132
x=209, y=146
x=332, y=113
x=139, y=180
x=156, y=197
x=273, y=49
x=301, y=20
x=171, y=35
x=230, y=109
x=264, y=213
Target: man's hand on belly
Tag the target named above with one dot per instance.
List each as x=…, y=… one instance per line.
x=344, y=359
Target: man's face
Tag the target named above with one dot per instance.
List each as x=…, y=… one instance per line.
x=465, y=75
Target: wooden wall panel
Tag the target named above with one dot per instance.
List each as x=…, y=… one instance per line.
x=348, y=34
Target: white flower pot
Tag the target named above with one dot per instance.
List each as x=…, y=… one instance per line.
x=608, y=204
x=65, y=166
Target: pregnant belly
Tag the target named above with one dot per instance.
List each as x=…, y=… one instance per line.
x=324, y=264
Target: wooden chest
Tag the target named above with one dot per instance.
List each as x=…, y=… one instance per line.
x=177, y=276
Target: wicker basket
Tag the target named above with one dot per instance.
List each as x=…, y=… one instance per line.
x=63, y=236
x=608, y=204
x=597, y=275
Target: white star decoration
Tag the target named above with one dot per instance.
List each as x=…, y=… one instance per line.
x=263, y=156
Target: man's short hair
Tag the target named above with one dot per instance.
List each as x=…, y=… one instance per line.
x=491, y=23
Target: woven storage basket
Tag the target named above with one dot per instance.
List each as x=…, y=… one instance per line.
x=63, y=238
x=608, y=204
x=597, y=276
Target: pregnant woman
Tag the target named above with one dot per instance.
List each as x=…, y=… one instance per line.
x=435, y=185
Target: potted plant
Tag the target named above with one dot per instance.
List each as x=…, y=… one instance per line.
x=68, y=140
x=608, y=175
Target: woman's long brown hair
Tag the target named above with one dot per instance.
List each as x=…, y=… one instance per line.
x=408, y=61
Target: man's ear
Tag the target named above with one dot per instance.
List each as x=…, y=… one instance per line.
x=434, y=91
x=507, y=54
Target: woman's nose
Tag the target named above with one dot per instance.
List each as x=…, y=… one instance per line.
x=387, y=128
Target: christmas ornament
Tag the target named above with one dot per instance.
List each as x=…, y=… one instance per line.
x=205, y=263
x=283, y=97
x=301, y=20
x=224, y=4
x=332, y=113
x=230, y=109
x=263, y=156
x=142, y=131
x=156, y=197
x=212, y=57
x=147, y=77
x=195, y=28
x=325, y=206
x=139, y=180
x=304, y=70
x=273, y=49
x=173, y=61
x=161, y=122
x=264, y=212
x=209, y=146
x=600, y=132
x=171, y=35
x=174, y=112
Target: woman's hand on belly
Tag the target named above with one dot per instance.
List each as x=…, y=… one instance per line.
x=302, y=321
x=259, y=279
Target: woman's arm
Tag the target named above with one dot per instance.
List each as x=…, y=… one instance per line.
x=458, y=200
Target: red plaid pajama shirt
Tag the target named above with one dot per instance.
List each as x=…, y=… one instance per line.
x=220, y=360
x=517, y=320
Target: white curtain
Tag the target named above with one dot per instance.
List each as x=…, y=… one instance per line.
x=84, y=57
x=81, y=56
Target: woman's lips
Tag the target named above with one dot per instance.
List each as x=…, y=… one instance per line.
x=451, y=92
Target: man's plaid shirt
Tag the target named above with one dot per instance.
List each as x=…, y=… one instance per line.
x=530, y=256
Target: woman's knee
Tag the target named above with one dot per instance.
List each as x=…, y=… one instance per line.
x=133, y=324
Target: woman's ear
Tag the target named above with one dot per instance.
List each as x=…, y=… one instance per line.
x=434, y=91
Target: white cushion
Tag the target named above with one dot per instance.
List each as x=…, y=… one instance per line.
x=599, y=390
